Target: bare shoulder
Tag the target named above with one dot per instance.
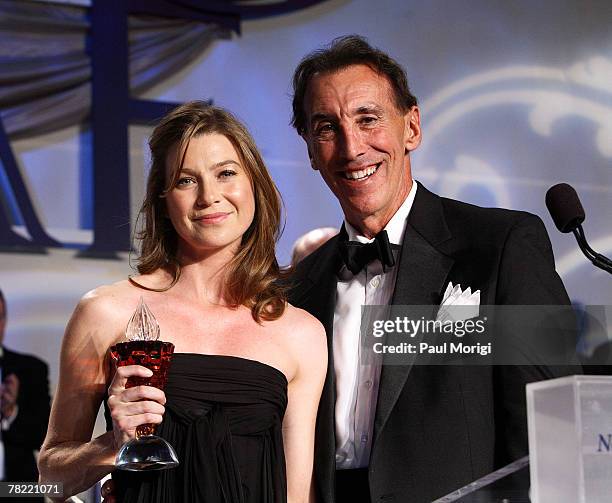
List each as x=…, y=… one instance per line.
x=303, y=331
x=108, y=301
x=104, y=312
x=307, y=343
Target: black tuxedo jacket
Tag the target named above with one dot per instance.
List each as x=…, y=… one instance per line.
x=439, y=428
x=29, y=428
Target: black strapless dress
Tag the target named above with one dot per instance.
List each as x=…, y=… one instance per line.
x=224, y=418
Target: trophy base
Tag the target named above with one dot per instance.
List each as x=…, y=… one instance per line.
x=146, y=453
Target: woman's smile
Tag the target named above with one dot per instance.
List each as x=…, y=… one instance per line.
x=212, y=218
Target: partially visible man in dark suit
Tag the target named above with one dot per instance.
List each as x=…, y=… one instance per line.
x=24, y=409
x=401, y=433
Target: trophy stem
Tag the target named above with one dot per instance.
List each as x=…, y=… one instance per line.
x=145, y=430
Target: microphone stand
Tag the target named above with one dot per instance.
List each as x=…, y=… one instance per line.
x=596, y=259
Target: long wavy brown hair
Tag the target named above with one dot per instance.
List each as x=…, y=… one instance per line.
x=251, y=276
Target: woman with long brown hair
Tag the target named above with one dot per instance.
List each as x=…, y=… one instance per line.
x=244, y=384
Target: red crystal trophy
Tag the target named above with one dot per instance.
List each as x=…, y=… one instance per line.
x=147, y=451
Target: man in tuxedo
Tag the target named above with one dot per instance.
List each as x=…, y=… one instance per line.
x=401, y=433
x=25, y=409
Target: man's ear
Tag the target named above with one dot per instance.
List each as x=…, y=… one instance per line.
x=312, y=162
x=412, y=129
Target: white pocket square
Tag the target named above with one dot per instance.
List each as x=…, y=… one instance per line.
x=454, y=296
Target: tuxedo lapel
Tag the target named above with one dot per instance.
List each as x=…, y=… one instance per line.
x=315, y=290
x=423, y=271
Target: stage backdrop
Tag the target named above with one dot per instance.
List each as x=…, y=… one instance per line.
x=515, y=97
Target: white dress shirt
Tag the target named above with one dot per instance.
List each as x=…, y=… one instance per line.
x=357, y=374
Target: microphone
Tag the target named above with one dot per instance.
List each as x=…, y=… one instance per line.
x=567, y=212
x=564, y=207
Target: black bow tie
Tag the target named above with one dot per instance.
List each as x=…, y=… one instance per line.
x=357, y=255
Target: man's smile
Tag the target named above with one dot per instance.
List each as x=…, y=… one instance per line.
x=361, y=174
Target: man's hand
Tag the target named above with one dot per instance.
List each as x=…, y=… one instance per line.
x=108, y=492
x=8, y=395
